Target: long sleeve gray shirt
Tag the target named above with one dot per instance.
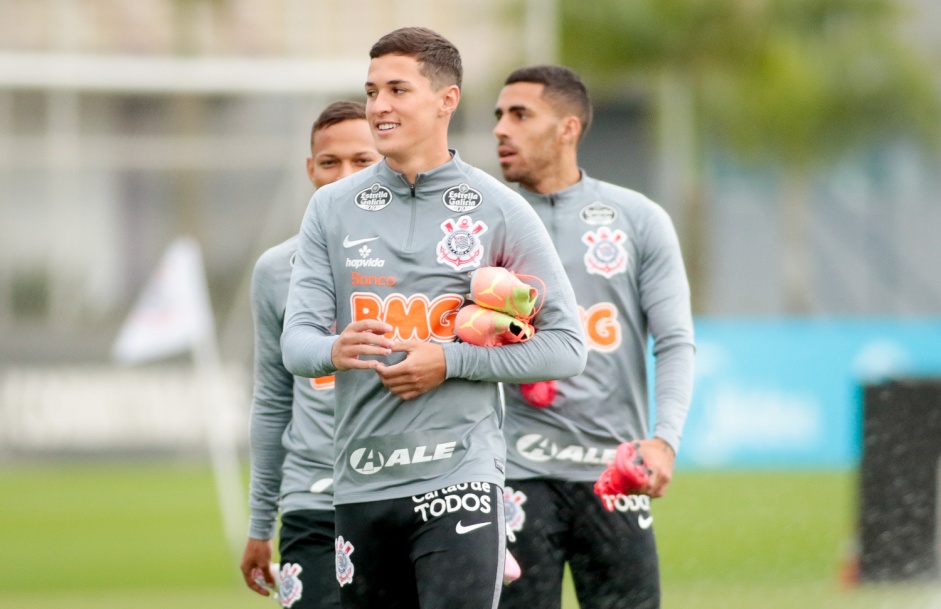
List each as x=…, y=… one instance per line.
x=372, y=246
x=621, y=253
x=291, y=424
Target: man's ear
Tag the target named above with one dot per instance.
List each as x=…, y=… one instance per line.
x=449, y=99
x=310, y=169
x=571, y=129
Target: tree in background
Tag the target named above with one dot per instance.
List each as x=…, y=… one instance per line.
x=796, y=85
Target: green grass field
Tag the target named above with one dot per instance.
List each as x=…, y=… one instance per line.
x=103, y=535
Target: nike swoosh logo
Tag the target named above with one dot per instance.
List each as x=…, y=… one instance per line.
x=355, y=242
x=461, y=529
x=645, y=521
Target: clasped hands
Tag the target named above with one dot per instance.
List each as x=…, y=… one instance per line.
x=422, y=370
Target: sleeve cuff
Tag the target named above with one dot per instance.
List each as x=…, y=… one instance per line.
x=452, y=360
x=261, y=528
x=673, y=439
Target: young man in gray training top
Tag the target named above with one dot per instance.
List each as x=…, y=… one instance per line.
x=419, y=445
x=623, y=258
x=291, y=425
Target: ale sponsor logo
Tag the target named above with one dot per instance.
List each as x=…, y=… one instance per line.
x=369, y=461
x=541, y=449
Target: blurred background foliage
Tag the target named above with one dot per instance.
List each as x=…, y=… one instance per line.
x=795, y=85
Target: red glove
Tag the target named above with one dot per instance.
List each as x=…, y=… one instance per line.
x=541, y=394
x=627, y=474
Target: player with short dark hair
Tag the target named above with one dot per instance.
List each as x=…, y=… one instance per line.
x=419, y=444
x=291, y=425
x=622, y=255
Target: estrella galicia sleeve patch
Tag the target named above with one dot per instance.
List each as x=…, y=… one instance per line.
x=344, y=562
x=606, y=255
x=461, y=199
x=291, y=586
x=373, y=198
x=461, y=246
x=598, y=214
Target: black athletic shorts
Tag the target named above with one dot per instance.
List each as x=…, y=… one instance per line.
x=444, y=549
x=612, y=555
x=307, y=560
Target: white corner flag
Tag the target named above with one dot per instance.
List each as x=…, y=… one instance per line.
x=173, y=313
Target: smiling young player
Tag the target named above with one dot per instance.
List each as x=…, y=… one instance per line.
x=386, y=253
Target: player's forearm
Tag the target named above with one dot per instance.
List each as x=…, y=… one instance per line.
x=551, y=354
x=307, y=352
x=673, y=392
x=262, y=523
x=267, y=425
x=310, y=312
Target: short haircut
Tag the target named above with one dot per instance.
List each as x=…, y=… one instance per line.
x=439, y=61
x=563, y=88
x=338, y=112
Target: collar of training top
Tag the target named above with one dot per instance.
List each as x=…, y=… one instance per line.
x=441, y=177
x=573, y=194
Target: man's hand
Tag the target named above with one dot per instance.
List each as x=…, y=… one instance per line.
x=423, y=369
x=627, y=474
x=659, y=458
x=256, y=562
x=364, y=337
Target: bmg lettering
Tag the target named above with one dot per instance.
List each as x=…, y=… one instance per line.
x=602, y=328
x=411, y=317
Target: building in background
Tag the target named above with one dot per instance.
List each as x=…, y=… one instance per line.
x=125, y=123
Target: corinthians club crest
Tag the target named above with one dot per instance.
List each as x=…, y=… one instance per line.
x=344, y=564
x=513, y=511
x=291, y=586
x=606, y=255
x=461, y=247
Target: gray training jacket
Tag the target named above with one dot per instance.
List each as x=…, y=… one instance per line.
x=374, y=246
x=291, y=425
x=621, y=253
